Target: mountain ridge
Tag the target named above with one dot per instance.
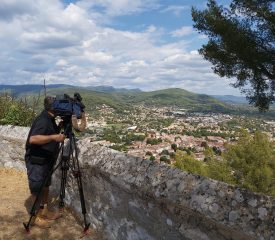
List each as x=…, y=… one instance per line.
x=19, y=89
x=125, y=98
x=23, y=88
x=231, y=99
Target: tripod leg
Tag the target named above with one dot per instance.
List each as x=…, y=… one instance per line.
x=34, y=208
x=82, y=199
x=77, y=175
x=64, y=172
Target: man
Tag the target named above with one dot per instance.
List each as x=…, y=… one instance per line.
x=42, y=148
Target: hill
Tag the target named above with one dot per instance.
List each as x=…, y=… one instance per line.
x=162, y=98
x=18, y=90
x=111, y=89
x=231, y=99
x=124, y=98
x=175, y=97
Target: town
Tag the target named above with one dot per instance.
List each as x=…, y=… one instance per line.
x=156, y=133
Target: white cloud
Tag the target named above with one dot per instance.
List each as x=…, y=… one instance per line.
x=176, y=9
x=118, y=7
x=184, y=31
x=61, y=62
x=9, y=9
x=48, y=40
x=98, y=57
x=66, y=44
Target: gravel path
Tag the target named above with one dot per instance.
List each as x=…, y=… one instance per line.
x=14, y=202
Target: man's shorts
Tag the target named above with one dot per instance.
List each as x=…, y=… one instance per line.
x=37, y=174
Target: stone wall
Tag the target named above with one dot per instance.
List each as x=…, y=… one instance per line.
x=12, y=146
x=132, y=198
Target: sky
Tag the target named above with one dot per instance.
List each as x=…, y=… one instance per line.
x=145, y=44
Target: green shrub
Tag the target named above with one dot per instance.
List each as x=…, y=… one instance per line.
x=165, y=159
x=15, y=112
x=249, y=163
x=253, y=162
x=188, y=163
x=164, y=152
x=153, y=141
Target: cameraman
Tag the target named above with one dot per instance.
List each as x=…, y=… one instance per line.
x=42, y=149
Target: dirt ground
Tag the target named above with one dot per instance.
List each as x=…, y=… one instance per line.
x=14, y=202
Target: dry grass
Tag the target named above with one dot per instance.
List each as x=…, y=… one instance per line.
x=14, y=202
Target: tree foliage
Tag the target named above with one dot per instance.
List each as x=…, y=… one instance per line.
x=253, y=162
x=112, y=135
x=249, y=163
x=120, y=147
x=189, y=163
x=241, y=45
x=209, y=154
x=153, y=141
x=220, y=170
x=131, y=137
x=164, y=152
x=15, y=112
x=174, y=146
x=165, y=159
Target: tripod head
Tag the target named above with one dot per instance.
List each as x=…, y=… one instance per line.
x=68, y=126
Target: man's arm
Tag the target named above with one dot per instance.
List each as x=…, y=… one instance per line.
x=43, y=139
x=79, y=127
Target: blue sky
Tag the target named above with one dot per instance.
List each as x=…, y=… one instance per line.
x=146, y=44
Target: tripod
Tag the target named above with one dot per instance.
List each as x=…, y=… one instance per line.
x=68, y=152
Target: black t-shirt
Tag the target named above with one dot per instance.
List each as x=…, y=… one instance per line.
x=44, y=124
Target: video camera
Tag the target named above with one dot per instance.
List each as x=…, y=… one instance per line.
x=65, y=106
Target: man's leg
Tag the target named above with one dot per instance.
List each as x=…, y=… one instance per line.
x=38, y=202
x=45, y=195
x=38, y=219
x=46, y=213
x=36, y=178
